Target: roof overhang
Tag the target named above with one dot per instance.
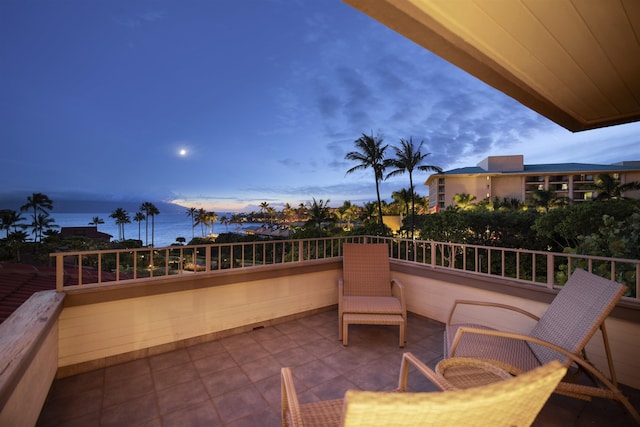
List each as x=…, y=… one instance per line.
x=575, y=62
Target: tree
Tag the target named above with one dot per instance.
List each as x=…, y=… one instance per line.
x=121, y=218
x=139, y=217
x=38, y=203
x=191, y=212
x=408, y=158
x=205, y=219
x=264, y=209
x=402, y=198
x=608, y=188
x=371, y=155
x=41, y=223
x=150, y=210
x=10, y=218
x=319, y=212
x=96, y=220
x=225, y=221
x=348, y=212
x=212, y=217
x=544, y=200
x=464, y=201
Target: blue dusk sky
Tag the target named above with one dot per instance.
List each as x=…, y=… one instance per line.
x=99, y=98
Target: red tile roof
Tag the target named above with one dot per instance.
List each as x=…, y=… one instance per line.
x=19, y=281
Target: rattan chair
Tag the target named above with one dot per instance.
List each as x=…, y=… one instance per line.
x=511, y=402
x=561, y=333
x=366, y=293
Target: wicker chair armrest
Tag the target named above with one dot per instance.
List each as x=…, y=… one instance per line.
x=408, y=360
x=397, y=290
x=571, y=357
x=490, y=304
x=290, y=406
x=340, y=291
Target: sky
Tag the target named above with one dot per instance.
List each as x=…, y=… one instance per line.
x=226, y=104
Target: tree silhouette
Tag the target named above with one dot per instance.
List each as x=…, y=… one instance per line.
x=407, y=159
x=150, y=210
x=139, y=217
x=191, y=212
x=38, y=203
x=371, y=155
x=121, y=218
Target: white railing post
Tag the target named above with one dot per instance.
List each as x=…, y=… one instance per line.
x=59, y=272
x=551, y=270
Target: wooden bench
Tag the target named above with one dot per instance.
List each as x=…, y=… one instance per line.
x=371, y=319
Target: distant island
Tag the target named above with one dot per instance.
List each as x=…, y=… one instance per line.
x=77, y=205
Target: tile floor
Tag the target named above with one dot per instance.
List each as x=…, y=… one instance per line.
x=235, y=381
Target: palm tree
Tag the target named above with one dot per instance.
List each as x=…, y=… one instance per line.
x=225, y=221
x=348, y=212
x=139, y=217
x=319, y=212
x=150, y=210
x=121, y=218
x=464, y=201
x=608, y=188
x=42, y=222
x=39, y=203
x=264, y=209
x=201, y=219
x=211, y=218
x=191, y=212
x=371, y=155
x=10, y=218
x=408, y=158
x=543, y=200
x=403, y=200
x=96, y=220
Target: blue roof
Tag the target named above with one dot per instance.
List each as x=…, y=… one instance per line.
x=547, y=168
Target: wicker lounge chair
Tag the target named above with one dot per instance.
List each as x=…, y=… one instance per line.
x=513, y=402
x=561, y=333
x=366, y=293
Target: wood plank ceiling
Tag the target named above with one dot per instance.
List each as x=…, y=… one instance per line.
x=577, y=62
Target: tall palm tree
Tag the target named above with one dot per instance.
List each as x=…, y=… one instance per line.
x=225, y=221
x=139, y=217
x=371, y=155
x=408, y=158
x=191, y=212
x=121, y=218
x=319, y=212
x=264, y=209
x=608, y=188
x=150, y=210
x=38, y=203
x=201, y=219
x=211, y=218
x=96, y=220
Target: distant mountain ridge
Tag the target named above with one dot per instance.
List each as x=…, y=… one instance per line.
x=62, y=205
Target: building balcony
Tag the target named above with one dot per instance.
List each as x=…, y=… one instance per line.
x=206, y=347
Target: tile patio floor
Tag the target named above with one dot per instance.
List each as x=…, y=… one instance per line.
x=235, y=381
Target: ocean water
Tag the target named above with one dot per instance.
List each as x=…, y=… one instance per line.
x=168, y=227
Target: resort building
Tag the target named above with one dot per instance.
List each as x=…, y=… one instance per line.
x=508, y=177
x=122, y=341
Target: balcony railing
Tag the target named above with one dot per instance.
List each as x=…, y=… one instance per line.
x=540, y=268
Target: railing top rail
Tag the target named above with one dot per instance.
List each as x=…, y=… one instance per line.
x=542, y=268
